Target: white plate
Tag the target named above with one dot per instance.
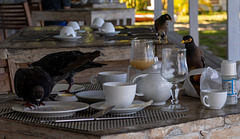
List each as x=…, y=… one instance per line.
x=52, y=109
x=59, y=87
x=107, y=33
x=67, y=38
x=91, y=96
x=119, y=111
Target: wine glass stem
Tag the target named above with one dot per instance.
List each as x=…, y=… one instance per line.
x=174, y=94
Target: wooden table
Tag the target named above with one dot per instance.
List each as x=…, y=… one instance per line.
x=32, y=43
x=120, y=16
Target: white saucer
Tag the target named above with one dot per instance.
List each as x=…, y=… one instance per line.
x=92, y=96
x=81, y=31
x=119, y=111
x=107, y=33
x=67, y=38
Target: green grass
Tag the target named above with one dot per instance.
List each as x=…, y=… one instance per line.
x=214, y=39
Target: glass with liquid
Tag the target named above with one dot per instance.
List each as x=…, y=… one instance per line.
x=142, y=56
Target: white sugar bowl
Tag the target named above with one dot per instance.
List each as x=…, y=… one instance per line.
x=153, y=86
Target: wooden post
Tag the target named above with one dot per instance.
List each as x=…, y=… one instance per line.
x=157, y=8
x=193, y=20
x=170, y=10
x=233, y=29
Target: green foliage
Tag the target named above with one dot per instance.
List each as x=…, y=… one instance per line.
x=181, y=6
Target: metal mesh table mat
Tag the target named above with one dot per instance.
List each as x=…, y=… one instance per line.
x=151, y=116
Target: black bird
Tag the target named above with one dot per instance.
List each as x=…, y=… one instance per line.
x=195, y=60
x=63, y=65
x=33, y=85
x=161, y=26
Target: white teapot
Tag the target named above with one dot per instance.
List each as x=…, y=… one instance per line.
x=152, y=86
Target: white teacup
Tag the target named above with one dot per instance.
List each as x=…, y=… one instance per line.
x=97, y=22
x=213, y=99
x=107, y=27
x=74, y=25
x=120, y=94
x=67, y=31
x=109, y=76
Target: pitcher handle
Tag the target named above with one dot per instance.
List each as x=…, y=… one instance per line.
x=134, y=81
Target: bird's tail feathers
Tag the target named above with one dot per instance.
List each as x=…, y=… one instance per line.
x=81, y=60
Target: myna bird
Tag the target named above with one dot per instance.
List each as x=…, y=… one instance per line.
x=33, y=85
x=63, y=65
x=195, y=60
x=195, y=57
x=161, y=26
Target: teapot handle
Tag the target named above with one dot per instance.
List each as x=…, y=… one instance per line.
x=138, y=76
x=134, y=81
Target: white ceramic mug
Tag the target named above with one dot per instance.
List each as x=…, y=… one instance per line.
x=213, y=99
x=120, y=94
x=67, y=31
x=74, y=25
x=107, y=27
x=109, y=76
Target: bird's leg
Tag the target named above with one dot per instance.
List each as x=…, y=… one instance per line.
x=166, y=39
x=70, y=82
x=159, y=39
x=29, y=105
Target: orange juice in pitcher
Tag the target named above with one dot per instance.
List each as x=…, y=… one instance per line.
x=141, y=64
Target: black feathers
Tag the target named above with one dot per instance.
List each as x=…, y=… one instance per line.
x=32, y=84
x=195, y=57
x=63, y=65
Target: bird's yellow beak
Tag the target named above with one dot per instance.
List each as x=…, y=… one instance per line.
x=186, y=41
x=170, y=19
x=183, y=41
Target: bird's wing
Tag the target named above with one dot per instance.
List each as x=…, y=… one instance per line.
x=81, y=60
x=18, y=81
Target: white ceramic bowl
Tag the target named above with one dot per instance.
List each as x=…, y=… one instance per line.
x=97, y=22
x=67, y=31
x=66, y=97
x=74, y=25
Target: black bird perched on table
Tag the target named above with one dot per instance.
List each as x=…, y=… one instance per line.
x=195, y=60
x=161, y=26
x=195, y=57
x=63, y=65
x=33, y=85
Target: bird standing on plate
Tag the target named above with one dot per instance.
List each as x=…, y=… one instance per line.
x=33, y=85
x=195, y=60
x=161, y=26
x=63, y=65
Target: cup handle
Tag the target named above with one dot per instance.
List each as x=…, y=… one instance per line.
x=134, y=80
x=204, y=101
x=92, y=79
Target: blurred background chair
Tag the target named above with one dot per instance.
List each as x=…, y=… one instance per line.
x=7, y=71
x=14, y=16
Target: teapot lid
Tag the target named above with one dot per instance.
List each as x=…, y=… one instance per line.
x=155, y=68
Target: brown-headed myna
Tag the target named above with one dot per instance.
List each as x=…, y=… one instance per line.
x=161, y=26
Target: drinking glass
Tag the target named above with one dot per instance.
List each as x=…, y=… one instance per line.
x=174, y=69
x=142, y=55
